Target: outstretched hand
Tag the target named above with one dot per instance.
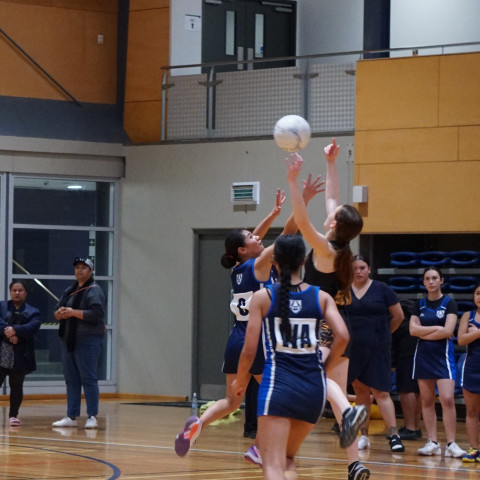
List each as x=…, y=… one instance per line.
x=331, y=151
x=311, y=188
x=280, y=199
x=294, y=165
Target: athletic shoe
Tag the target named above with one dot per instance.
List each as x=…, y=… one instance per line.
x=250, y=433
x=91, y=422
x=253, y=456
x=353, y=419
x=357, y=471
x=186, y=438
x=430, y=448
x=15, y=422
x=453, y=450
x=363, y=442
x=396, y=444
x=472, y=456
x=406, y=434
x=65, y=422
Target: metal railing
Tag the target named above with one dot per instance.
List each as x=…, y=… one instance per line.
x=247, y=102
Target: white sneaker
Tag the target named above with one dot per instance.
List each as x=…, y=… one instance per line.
x=65, y=422
x=363, y=442
x=91, y=423
x=453, y=450
x=430, y=448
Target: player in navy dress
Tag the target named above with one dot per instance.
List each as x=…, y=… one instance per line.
x=433, y=321
x=329, y=266
x=469, y=335
x=374, y=313
x=293, y=389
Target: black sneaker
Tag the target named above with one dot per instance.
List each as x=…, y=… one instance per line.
x=353, y=419
x=357, y=471
x=396, y=444
x=406, y=434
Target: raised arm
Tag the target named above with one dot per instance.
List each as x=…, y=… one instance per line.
x=332, y=186
x=263, y=227
x=316, y=240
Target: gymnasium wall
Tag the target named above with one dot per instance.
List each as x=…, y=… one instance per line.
x=417, y=143
x=62, y=37
x=168, y=191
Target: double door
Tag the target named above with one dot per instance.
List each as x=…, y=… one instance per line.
x=235, y=30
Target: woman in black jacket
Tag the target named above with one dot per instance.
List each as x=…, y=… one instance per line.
x=19, y=323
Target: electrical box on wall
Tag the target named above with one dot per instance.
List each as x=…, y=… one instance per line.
x=245, y=193
x=360, y=194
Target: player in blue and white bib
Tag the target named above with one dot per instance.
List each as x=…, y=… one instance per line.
x=469, y=335
x=433, y=321
x=293, y=389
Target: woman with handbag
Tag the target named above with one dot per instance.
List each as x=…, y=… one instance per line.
x=19, y=323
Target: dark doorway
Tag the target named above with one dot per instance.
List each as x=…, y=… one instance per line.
x=248, y=30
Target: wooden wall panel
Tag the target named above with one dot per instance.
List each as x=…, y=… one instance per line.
x=469, y=148
x=64, y=42
x=459, y=102
x=406, y=146
x=148, y=51
x=397, y=93
x=407, y=198
x=142, y=121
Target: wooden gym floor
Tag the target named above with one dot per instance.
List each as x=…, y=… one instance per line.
x=135, y=442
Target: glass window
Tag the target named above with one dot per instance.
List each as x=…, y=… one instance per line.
x=48, y=201
x=51, y=251
x=54, y=221
x=230, y=33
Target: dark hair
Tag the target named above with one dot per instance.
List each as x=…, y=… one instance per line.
x=289, y=252
x=432, y=267
x=234, y=240
x=23, y=283
x=349, y=224
x=361, y=258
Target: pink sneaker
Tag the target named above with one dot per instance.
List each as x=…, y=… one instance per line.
x=190, y=432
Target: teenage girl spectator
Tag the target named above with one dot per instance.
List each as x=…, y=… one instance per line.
x=81, y=312
x=19, y=323
x=403, y=349
x=433, y=322
x=469, y=335
x=329, y=265
x=251, y=265
x=374, y=313
x=293, y=389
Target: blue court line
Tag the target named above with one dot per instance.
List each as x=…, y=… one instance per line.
x=116, y=471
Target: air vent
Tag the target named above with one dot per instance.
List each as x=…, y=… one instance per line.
x=246, y=193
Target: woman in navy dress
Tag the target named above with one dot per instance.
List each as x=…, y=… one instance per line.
x=433, y=321
x=293, y=388
x=374, y=313
x=469, y=335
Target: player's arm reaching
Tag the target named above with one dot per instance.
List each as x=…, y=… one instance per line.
x=263, y=227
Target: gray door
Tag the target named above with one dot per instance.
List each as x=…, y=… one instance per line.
x=212, y=317
x=247, y=30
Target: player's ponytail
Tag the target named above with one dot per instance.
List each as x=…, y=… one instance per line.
x=289, y=254
x=234, y=240
x=349, y=224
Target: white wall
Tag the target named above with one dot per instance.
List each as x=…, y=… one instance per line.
x=168, y=191
x=324, y=26
x=416, y=23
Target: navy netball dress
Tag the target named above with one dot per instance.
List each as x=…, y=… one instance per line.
x=434, y=359
x=471, y=367
x=294, y=381
x=244, y=284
